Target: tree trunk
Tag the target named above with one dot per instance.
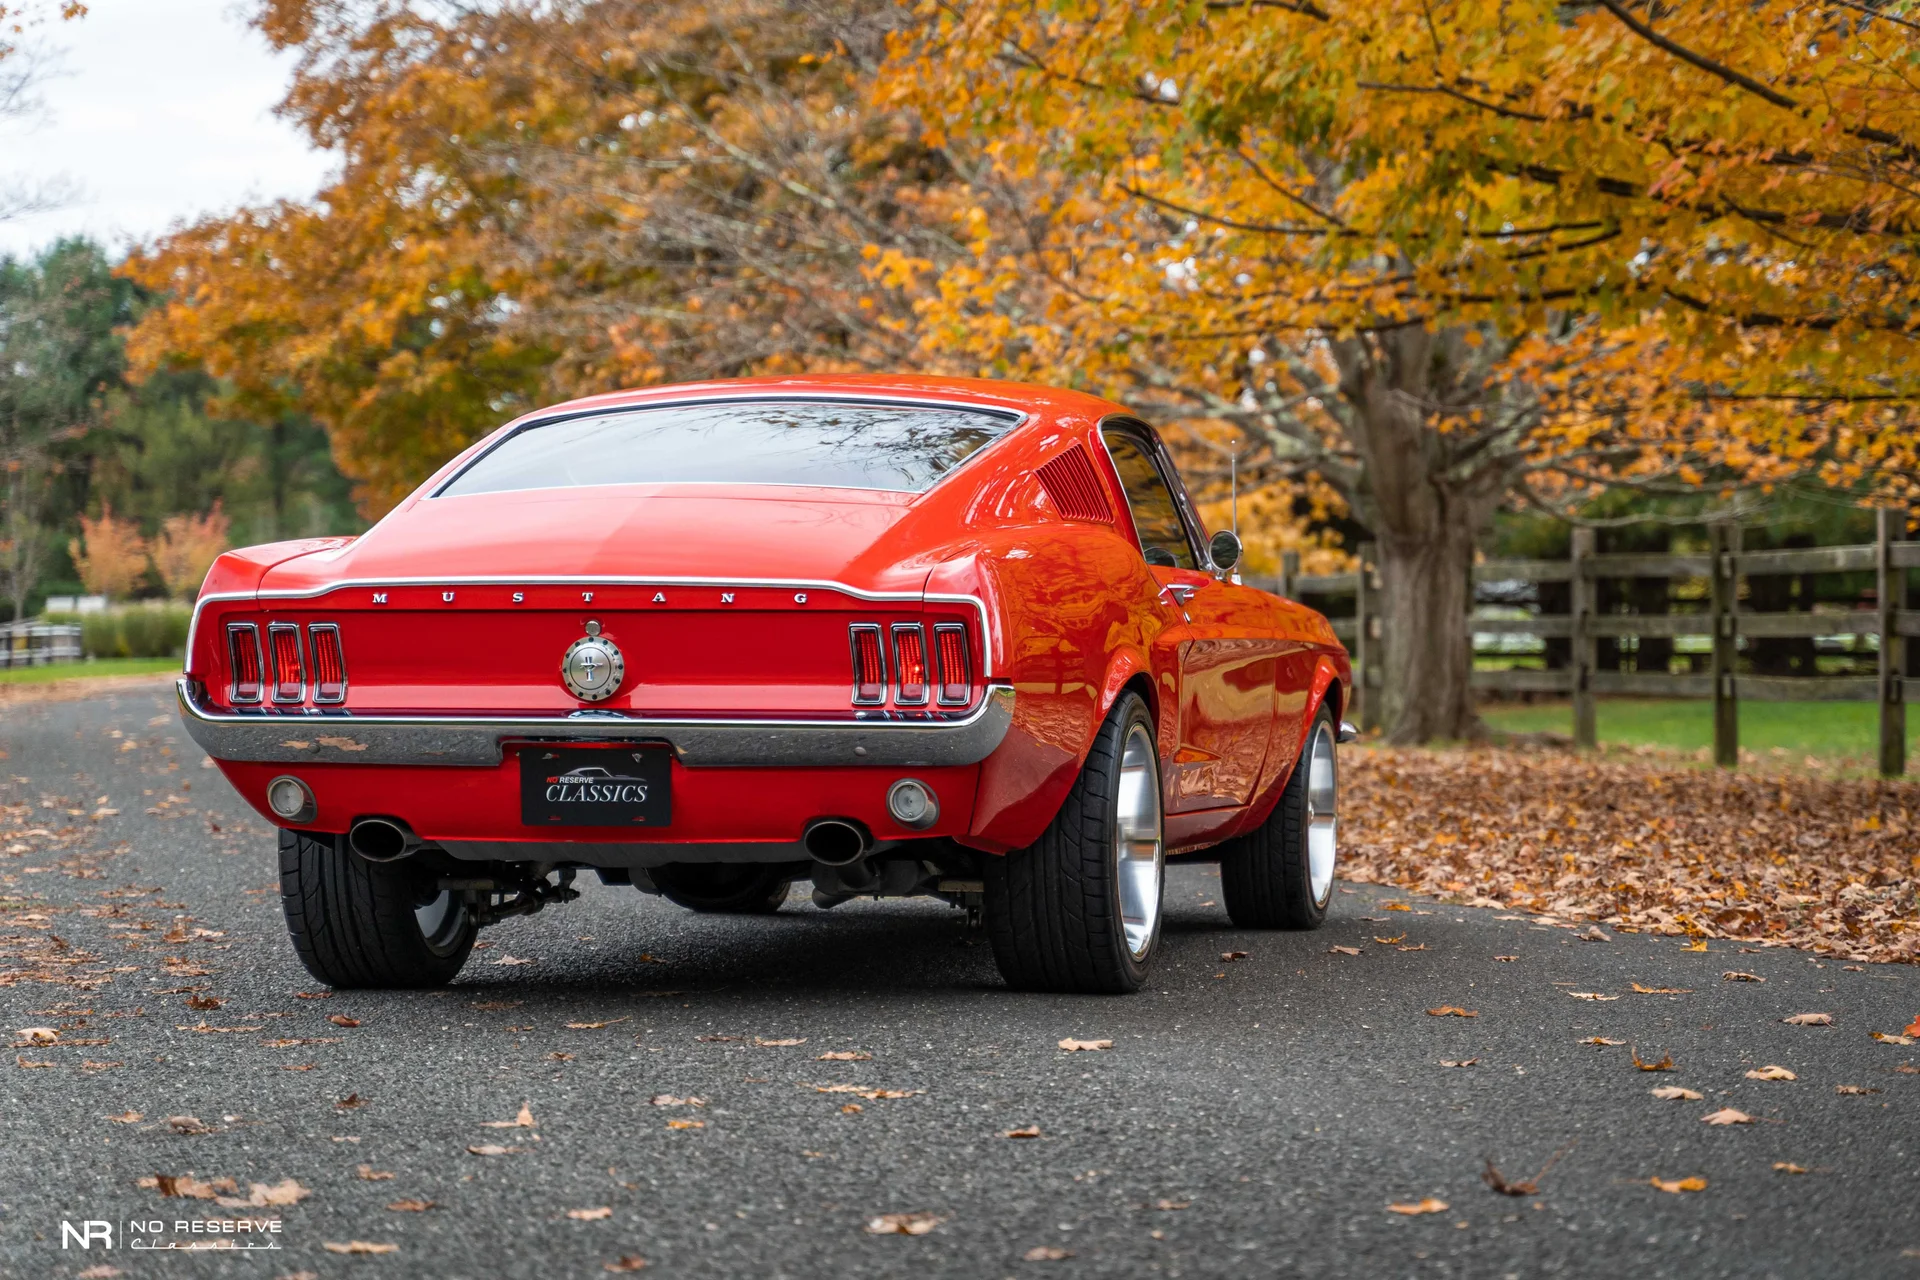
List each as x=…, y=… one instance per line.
x=1427, y=495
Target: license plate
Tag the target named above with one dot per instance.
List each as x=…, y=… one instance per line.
x=595, y=787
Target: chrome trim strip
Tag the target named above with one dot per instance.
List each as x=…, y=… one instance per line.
x=622, y=580
x=477, y=740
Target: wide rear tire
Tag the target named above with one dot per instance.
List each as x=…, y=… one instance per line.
x=368, y=924
x=1079, y=909
x=722, y=888
x=1280, y=875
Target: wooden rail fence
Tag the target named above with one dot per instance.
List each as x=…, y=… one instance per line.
x=1893, y=623
x=34, y=644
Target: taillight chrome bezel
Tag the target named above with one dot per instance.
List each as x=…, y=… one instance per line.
x=901, y=696
x=326, y=693
x=286, y=693
x=854, y=634
x=248, y=634
x=936, y=665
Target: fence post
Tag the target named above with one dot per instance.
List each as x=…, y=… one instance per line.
x=1365, y=651
x=1580, y=661
x=1289, y=572
x=1891, y=586
x=1724, y=542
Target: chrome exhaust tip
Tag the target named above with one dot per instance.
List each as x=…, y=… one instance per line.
x=381, y=839
x=836, y=842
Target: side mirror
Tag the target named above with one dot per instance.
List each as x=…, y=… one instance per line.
x=1224, y=550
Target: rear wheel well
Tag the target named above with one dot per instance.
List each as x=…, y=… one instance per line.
x=1335, y=700
x=1141, y=684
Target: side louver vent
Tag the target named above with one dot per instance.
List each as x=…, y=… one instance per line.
x=1075, y=487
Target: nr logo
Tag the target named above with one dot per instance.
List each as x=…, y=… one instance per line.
x=90, y=1232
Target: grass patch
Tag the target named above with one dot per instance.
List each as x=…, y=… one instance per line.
x=92, y=668
x=1826, y=730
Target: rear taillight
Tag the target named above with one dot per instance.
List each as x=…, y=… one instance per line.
x=910, y=664
x=329, y=664
x=869, y=665
x=243, y=658
x=953, y=673
x=289, y=671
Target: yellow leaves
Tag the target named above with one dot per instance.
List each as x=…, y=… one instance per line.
x=902, y=1224
x=1675, y=1093
x=1809, y=1020
x=1452, y=1011
x=524, y=1120
x=1771, y=1072
x=1071, y=1045
x=1678, y=1185
x=1726, y=1116
x=1427, y=1205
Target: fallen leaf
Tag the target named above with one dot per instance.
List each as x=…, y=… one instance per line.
x=1398, y=906
x=1046, y=1253
x=1674, y=1093
x=38, y=1035
x=1601, y=1040
x=1809, y=1020
x=342, y=1020
x=1590, y=995
x=1461, y=1062
x=1665, y=1064
x=844, y=1055
x=1388, y=942
x=203, y=1002
x=1726, y=1116
x=411, y=1206
x=669, y=1100
x=1531, y=1186
x=765, y=1043
x=1507, y=958
x=1853, y=1089
x=1701, y=945
x=1428, y=1205
x=188, y=1125
x=1662, y=991
x=902, y=1224
x=1173, y=1206
x=507, y=959
x=1884, y=1038
x=359, y=1246
x=1076, y=1046
x=127, y=1117
x=489, y=1149
x=1419, y=947
x=1452, y=1011
x=522, y=1121
x=1231, y=956
x=1735, y=975
x=1787, y=1166
x=686, y=1124
x=591, y=1215
x=1771, y=1072
x=261, y=1195
x=862, y=1091
x=851, y=1109
x=1344, y=951
x=313, y=995
x=186, y=1186
x=370, y=1174
x=1912, y=1028
x=1593, y=934
x=351, y=1101
x=1031, y=1131
x=595, y=1026
x=717, y=1039
x=560, y=1057
x=1679, y=1184
x=626, y=1262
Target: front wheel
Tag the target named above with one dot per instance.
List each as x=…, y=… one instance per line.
x=1280, y=875
x=369, y=924
x=1079, y=909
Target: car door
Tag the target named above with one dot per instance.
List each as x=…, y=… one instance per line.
x=1228, y=666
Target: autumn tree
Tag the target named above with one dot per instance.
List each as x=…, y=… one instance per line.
x=110, y=555
x=186, y=547
x=1442, y=255
x=540, y=198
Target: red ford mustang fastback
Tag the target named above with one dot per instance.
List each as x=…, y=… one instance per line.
x=895, y=635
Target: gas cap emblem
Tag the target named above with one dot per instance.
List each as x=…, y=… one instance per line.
x=593, y=667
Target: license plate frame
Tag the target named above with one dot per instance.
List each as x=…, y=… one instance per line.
x=596, y=785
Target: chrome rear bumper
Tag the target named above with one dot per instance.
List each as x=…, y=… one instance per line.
x=478, y=740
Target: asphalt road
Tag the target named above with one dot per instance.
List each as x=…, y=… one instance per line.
x=1253, y=1117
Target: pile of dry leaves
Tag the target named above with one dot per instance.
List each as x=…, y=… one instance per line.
x=1832, y=865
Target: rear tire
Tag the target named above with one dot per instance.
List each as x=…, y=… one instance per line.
x=722, y=888
x=1280, y=875
x=356, y=923
x=1079, y=909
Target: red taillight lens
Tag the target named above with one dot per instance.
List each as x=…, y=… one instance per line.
x=869, y=664
x=243, y=657
x=329, y=663
x=910, y=664
x=955, y=673
x=289, y=672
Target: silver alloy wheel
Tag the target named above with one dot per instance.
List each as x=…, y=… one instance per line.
x=440, y=921
x=1138, y=851
x=1323, y=792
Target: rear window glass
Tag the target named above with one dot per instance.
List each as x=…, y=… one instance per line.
x=849, y=446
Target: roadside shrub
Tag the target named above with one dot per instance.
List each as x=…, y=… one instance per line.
x=139, y=631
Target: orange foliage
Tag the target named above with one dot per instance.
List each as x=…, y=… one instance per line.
x=186, y=548
x=110, y=555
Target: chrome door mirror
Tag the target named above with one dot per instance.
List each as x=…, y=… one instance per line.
x=1223, y=549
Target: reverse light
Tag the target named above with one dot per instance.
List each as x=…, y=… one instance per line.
x=912, y=804
x=290, y=798
x=289, y=669
x=869, y=664
x=329, y=664
x=910, y=664
x=954, y=674
x=243, y=658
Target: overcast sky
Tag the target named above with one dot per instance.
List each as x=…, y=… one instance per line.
x=162, y=113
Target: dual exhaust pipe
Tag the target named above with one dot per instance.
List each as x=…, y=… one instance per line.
x=834, y=842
